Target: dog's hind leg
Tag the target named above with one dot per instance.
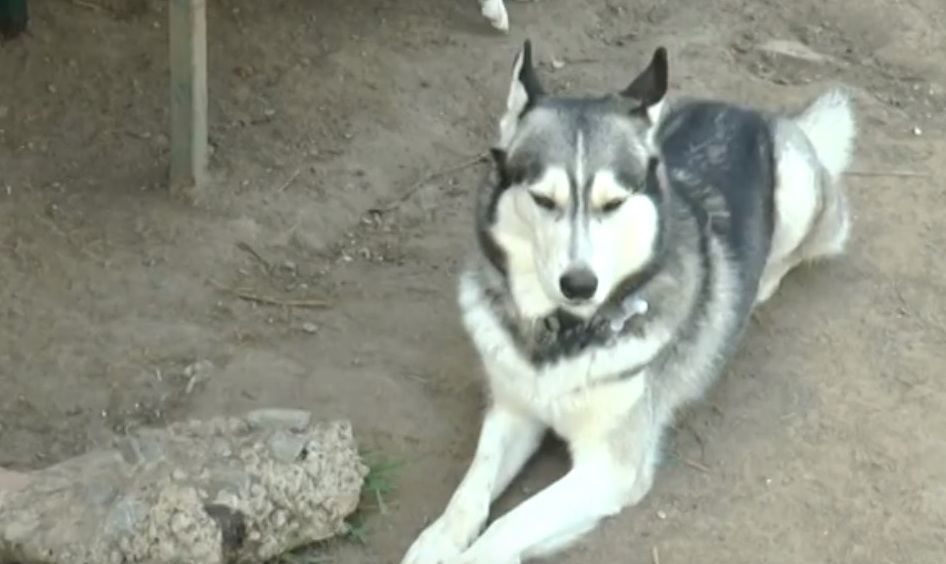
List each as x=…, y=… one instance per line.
x=828, y=124
x=507, y=441
x=812, y=223
x=831, y=229
x=812, y=220
x=798, y=205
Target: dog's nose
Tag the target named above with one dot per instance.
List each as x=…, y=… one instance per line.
x=578, y=284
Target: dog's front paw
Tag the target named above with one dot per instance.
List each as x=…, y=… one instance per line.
x=436, y=545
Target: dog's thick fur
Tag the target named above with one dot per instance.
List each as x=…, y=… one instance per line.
x=622, y=246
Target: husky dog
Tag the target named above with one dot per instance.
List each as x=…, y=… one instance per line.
x=622, y=246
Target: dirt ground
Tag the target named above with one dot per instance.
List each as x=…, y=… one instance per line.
x=825, y=443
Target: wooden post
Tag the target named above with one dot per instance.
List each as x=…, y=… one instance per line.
x=188, y=46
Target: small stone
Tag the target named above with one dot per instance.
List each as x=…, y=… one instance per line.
x=269, y=112
x=279, y=518
x=125, y=516
x=179, y=523
x=197, y=368
x=310, y=328
x=51, y=88
x=557, y=64
x=661, y=515
x=286, y=447
x=917, y=131
x=292, y=419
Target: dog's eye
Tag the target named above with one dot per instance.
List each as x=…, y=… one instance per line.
x=612, y=206
x=543, y=202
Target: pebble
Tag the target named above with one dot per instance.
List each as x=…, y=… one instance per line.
x=293, y=419
x=285, y=447
x=125, y=516
x=917, y=131
x=310, y=328
x=197, y=368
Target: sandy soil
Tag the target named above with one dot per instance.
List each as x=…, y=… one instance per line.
x=825, y=442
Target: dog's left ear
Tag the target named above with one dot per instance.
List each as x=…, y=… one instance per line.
x=524, y=91
x=649, y=89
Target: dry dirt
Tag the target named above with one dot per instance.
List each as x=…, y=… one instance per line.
x=824, y=443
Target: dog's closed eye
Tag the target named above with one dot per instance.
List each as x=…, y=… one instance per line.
x=543, y=202
x=612, y=205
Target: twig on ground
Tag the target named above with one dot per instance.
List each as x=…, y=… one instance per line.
x=695, y=464
x=289, y=181
x=909, y=173
x=582, y=61
x=268, y=300
x=89, y=5
x=52, y=225
x=414, y=188
x=245, y=247
x=697, y=438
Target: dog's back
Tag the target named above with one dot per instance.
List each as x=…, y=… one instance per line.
x=720, y=159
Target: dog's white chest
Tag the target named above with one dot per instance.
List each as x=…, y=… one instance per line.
x=562, y=398
x=576, y=397
x=577, y=410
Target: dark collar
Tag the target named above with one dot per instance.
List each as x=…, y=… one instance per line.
x=562, y=334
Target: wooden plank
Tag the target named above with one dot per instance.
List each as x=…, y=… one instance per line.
x=188, y=48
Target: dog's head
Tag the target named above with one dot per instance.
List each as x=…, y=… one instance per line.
x=575, y=209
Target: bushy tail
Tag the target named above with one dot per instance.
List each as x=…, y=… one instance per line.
x=828, y=122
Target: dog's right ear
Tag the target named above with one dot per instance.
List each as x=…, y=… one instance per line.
x=524, y=91
x=649, y=89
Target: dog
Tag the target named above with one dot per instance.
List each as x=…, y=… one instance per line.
x=622, y=243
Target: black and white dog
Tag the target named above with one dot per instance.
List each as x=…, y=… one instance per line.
x=622, y=246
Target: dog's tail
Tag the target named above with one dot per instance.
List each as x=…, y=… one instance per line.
x=828, y=122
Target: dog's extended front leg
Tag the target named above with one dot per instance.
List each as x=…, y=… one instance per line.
x=507, y=440
x=603, y=480
x=553, y=518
